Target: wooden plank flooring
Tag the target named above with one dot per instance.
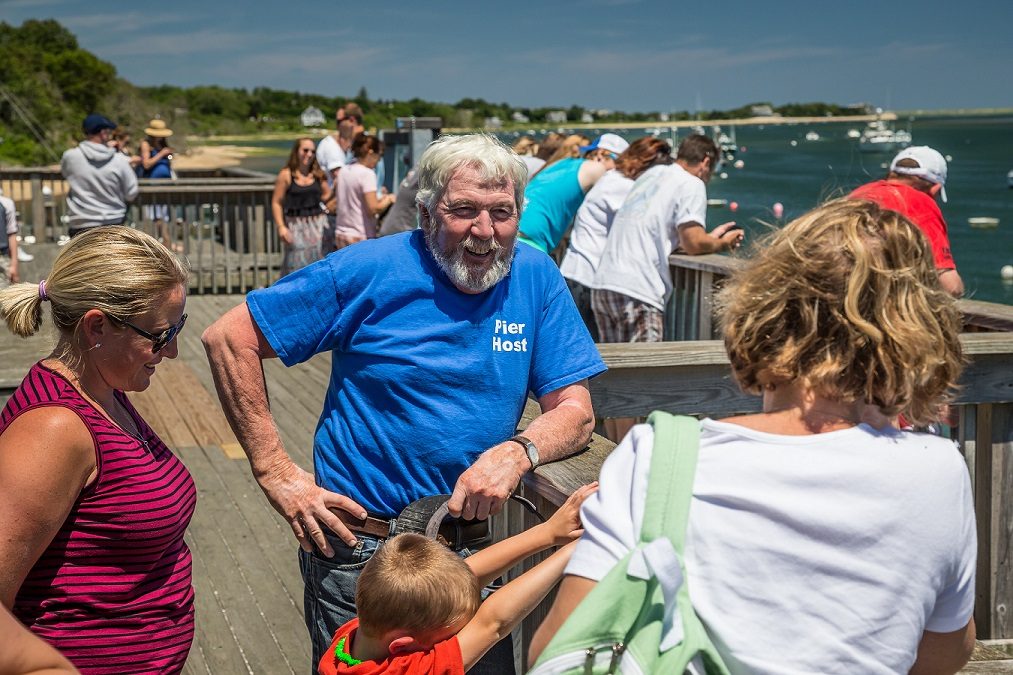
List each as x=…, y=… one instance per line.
x=246, y=572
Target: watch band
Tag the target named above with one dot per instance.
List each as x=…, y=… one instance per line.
x=530, y=449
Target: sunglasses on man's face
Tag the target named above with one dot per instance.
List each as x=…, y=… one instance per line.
x=158, y=340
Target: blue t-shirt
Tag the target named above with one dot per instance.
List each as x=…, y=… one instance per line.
x=424, y=378
x=551, y=201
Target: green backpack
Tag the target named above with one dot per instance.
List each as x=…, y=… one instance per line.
x=638, y=618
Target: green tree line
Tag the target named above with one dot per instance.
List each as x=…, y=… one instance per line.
x=48, y=84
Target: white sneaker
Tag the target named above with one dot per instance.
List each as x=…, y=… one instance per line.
x=25, y=256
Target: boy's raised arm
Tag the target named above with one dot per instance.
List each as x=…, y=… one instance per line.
x=505, y=608
x=562, y=527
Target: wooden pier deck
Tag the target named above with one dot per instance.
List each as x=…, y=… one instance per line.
x=246, y=574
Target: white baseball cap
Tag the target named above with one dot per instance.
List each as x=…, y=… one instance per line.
x=931, y=166
x=611, y=142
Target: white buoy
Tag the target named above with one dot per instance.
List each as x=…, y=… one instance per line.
x=739, y=164
x=724, y=175
x=794, y=143
x=1006, y=272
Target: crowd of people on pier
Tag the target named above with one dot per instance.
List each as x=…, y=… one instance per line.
x=819, y=535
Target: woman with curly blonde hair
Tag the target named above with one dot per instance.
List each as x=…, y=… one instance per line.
x=817, y=517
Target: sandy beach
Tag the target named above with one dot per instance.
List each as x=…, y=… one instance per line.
x=212, y=156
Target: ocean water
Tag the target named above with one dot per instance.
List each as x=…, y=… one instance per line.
x=802, y=175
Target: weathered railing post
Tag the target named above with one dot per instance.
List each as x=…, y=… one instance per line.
x=38, y=208
x=993, y=505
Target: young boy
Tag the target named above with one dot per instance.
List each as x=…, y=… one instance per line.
x=419, y=604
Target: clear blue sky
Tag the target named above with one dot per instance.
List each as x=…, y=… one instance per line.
x=620, y=54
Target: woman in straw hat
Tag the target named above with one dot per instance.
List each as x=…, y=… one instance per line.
x=93, y=505
x=156, y=163
x=156, y=155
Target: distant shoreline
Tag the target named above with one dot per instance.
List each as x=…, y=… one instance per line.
x=219, y=151
x=683, y=124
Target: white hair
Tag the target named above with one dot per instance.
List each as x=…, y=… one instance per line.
x=495, y=162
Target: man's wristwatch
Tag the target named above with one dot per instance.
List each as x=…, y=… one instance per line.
x=529, y=449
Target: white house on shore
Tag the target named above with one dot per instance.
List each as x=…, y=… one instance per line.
x=312, y=117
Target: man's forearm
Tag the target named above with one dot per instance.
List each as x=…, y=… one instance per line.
x=239, y=379
x=562, y=431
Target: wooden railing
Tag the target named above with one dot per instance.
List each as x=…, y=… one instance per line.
x=689, y=313
x=221, y=220
x=695, y=378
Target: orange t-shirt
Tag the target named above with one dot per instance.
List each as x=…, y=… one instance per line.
x=443, y=659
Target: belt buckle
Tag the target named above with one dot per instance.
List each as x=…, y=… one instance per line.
x=426, y=516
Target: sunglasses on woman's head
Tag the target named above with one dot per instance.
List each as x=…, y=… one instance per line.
x=158, y=340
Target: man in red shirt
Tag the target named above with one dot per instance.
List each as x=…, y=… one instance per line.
x=916, y=179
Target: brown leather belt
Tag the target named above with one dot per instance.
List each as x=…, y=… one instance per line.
x=455, y=534
x=376, y=527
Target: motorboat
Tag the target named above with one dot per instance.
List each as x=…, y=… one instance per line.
x=812, y=136
x=854, y=133
x=878, y=136
x=983, y=222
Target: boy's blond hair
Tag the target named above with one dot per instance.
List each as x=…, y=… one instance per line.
x=414, y=584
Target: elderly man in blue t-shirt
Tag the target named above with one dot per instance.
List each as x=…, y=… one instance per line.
x=436, y=337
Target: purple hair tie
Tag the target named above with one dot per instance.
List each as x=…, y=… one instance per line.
x=42, y=291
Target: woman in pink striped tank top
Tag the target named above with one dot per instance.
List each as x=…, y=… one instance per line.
x=93, y=506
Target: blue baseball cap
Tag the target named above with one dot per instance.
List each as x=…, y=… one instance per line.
x=95, y=123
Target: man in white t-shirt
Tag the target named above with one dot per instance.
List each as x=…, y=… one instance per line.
x=333, y=148
x=666, y=209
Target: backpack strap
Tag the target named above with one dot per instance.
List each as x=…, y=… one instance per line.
x=670, y=482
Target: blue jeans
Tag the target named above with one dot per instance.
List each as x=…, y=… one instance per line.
x=329, y=600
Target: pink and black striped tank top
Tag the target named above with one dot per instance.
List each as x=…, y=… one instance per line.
x=112, y=591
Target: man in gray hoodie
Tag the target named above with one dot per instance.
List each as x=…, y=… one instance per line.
x=100, y=178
